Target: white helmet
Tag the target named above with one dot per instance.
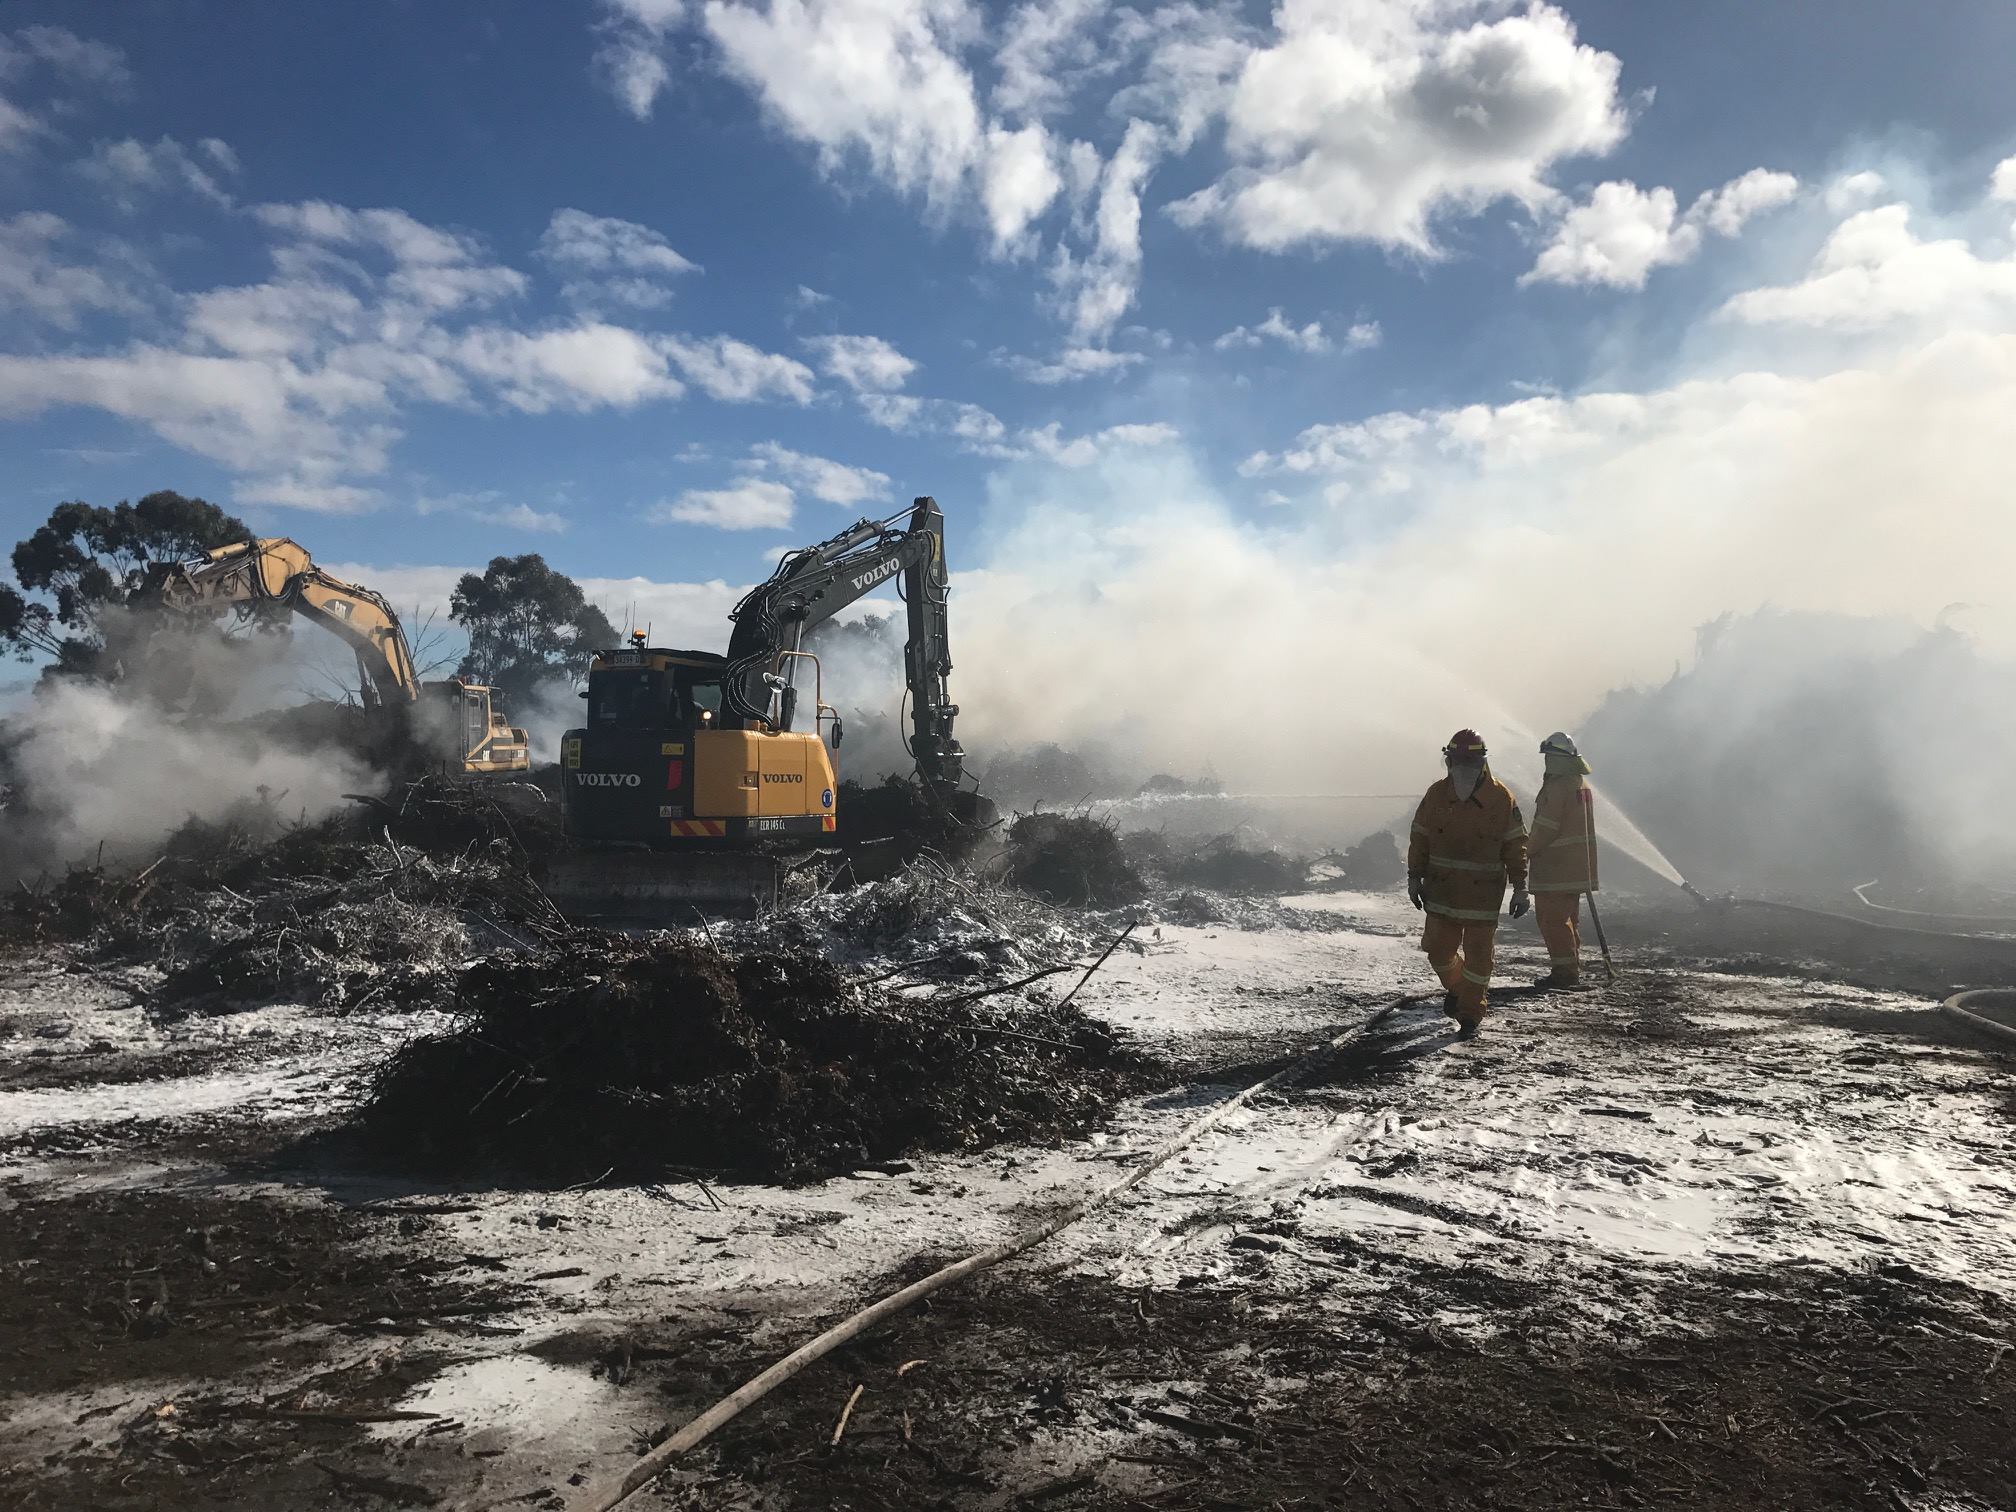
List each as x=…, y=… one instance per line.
x=1558, y=744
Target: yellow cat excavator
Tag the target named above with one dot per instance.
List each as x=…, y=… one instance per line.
x=452, y=725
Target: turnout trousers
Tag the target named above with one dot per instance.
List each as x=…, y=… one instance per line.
x=1559, y=915
x=1460, y=952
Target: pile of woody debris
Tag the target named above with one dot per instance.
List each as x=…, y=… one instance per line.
x=608, y=1056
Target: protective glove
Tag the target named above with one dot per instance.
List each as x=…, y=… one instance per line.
x=1415, y=882
x=1521, y=901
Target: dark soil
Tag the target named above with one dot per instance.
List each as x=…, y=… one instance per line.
x=617, y=1057
x=1772, y=1390
x=155, y=1301
x=130, y=1285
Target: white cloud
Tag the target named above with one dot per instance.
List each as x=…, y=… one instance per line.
x=1616, y=239
x=409, y=242
x=676, y=614
x=1020, y=182
x=297, y=383
x=754, y=504
x=1621, y=233
x=603, y=244
x=1194, y=54
x=1099, y=287
x=131, y=170
x=264, y=417
x=629, y=60
x=1854, y=190
x=1047, y=48
x=615, y=263
x=62, y=52
x=578, y=368
x=1308, y=338
x=1051, y=445
x=35, y=278
x=488, y=507
x=878, y=80
x=2002, y=185
x=969, y=425
x=809, y=298
x=736, y=372
x=315, y=498
x=1874, y=271
x=1071, y=365
x=1725, y=211
x=1364, y=122
x=866, y=364
x=67, y=53
x=821, y=477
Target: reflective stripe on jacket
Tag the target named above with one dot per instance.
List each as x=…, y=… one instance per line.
x=1468, y=849
x=1563, y=848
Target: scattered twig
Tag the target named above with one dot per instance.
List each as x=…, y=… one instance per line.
x=987, y=992
x=1111, y=947
x=846, y=1413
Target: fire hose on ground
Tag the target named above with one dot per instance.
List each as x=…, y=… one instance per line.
x=612, y=1494
x=1967, y=1006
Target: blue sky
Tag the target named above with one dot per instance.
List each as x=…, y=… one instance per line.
x=658, y=287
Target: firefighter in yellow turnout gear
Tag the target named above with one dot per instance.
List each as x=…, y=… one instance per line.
x=1563, y=857
x=1468, y=843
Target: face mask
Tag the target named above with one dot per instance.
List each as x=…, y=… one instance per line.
x=1465, y=779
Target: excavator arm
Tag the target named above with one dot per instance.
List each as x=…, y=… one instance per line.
x=811, y=585
x=277, y=575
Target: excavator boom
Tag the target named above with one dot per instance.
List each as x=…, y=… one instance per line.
x=455, y=724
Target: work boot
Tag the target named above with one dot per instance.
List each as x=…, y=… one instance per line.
x=1556, y=980
x=1466, y=1029
x=1449, y=1009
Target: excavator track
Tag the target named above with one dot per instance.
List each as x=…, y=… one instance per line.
x=660, y=889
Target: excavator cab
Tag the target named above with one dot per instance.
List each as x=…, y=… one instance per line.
x=465, y=733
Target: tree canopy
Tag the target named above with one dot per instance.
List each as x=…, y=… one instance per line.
x=86, y=563
x=528, y=626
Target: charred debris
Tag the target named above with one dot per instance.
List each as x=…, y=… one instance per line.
x=909, y=1000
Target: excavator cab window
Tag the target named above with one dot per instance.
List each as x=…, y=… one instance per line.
x=701, y=697
x=631, y=698
x=475, y=722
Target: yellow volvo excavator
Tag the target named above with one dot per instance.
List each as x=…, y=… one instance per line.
x=690, y=779
x=452, y=725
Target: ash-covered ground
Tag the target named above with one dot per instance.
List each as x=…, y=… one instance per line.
x=1733, y=1231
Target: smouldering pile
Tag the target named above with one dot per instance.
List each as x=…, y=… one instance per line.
x=1072, y=859
x=636, y=1058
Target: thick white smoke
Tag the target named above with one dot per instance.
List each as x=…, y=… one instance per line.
x=1836, y=449
x=98, y=768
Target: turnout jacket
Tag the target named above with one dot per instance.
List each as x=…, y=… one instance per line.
x=1563, y=844
x=1467, y=849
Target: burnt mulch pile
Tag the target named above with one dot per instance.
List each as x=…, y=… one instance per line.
x=1372, y=864
x=1220, y=863
x=1072, y=859
x=1786, y=1389
x=611, y=1056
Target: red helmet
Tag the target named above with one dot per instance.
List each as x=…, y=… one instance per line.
x=1465, y=743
